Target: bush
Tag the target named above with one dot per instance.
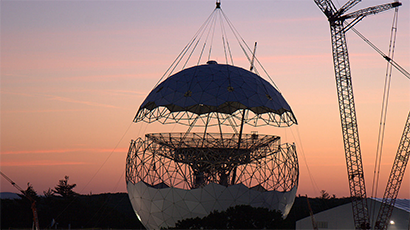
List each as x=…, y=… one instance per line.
x=238, y=217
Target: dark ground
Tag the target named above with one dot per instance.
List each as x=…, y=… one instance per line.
x=113, y=211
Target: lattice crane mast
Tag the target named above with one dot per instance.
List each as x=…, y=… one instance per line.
x=395, y=179
x=338, y=27
x=33, y=202
x=312, y=217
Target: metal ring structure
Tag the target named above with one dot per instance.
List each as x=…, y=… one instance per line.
x=174, y=176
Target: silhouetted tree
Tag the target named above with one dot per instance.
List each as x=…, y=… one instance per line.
x=238, y=217
x=103, y=211
x=48, y=193
x=324, y=195
x=29, y=192
x=64, y=189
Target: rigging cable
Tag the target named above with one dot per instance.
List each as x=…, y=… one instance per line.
x=212, y=36
x=176, y=61
x=193, y=49
x=390, y=60
x=193, y=43
x=206, y=39
x=224, y=41
x=95, y=174
x=236, y=34
x=104, y=206
x=312, y=179
x=383, y=114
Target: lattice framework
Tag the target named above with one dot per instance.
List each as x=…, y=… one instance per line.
x=395, y=178
x=163, y=115
x=350, y=133
x=174, y=160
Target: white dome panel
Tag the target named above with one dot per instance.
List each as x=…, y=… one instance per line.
x=181, y=204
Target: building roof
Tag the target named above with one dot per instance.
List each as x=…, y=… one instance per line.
x=403, y=204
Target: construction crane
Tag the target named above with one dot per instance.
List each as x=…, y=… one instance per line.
x=33, y=202
x=338, y=27
x=395, y=179
x=312, y=217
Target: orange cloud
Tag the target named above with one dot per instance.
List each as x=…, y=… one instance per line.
x=41, y=163
x=122, y=92
x=122, y=150
x=66, y=99
x=43, y=111
x=17, y=93
x=99, y=78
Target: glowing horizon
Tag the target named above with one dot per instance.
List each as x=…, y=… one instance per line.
x=73, y=75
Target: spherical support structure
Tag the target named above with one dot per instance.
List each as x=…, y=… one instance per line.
x=174, y=176
x=214, y=165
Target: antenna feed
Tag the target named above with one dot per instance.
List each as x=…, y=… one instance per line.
x=218, y=4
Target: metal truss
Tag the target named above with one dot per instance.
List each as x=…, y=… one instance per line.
x=349, y=126
x=395, y=179
x=346, y=99
x=165, y=116
x=189, y=161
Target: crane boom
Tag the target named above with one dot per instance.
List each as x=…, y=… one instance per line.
x=33, y=202
x=346, y=102
x=347, y=6
x=349, y=126
x=312, y=217
x=371, y=10
x=395, y=178
x=13, y=183
x=326, y=6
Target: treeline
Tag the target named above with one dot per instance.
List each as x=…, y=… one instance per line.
x=246, y=217
x=300, y=208
x=82, y=211
x=61, y=208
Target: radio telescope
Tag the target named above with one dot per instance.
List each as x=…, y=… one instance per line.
x=213, y=165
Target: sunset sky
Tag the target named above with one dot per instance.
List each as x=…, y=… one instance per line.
x=73, y=74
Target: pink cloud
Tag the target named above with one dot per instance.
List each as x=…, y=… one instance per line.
x=296, y=20
x=66, y=99
x=99, y=78
x=43, y=111
x=120, y=92
x=122, y=150
x=17, y=93
x=41, y=163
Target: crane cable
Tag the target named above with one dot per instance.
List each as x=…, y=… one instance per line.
x=176, y=61
x=383, y=115
x=244, y=45
x=302, y=152
x=388, y=59
x=209, y=27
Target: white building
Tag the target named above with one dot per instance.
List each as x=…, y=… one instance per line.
x=341, y=217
